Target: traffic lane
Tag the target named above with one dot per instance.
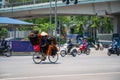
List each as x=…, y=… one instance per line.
x=91, y=76
x=23, y=66
x=68, y=64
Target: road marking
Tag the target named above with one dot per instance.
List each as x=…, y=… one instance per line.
x=50, y=76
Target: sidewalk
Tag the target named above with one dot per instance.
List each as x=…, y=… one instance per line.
x=93, y=51
x=22, y=53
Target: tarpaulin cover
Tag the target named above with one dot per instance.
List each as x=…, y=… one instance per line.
x=22, y=46
x=7, y=20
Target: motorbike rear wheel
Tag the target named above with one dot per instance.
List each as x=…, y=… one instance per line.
x=88, y=52
x=74, y=53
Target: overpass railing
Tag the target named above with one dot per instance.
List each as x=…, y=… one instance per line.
x=42, y=4
x=16, y=3
x=13, y=4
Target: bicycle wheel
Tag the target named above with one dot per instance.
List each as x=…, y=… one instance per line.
x=37, y=57
x=53, y=58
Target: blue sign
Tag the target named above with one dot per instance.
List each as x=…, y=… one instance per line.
x=22, y=46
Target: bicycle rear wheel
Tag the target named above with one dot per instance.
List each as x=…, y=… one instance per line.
x=37, y=57
x=53, y=58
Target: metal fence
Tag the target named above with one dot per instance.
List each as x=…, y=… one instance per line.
x=18, y=34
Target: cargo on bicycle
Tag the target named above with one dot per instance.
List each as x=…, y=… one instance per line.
x=44, y=47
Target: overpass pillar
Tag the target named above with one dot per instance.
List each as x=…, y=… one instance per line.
x=116, y=23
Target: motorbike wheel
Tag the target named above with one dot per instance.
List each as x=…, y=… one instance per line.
x=53, y=58
x=8, y=53
x=88, y=52
x=118, y=54
x=63, y=53
x=79, y=52
x=109, y=53
x=74, y=52
x=37, y=57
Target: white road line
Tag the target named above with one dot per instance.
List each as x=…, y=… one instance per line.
x=50, y=76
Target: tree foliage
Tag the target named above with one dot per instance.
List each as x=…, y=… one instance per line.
x=3, y=32
x=81, y=23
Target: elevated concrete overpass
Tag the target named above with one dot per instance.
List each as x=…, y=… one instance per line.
x=84, y=7
x=87, y=7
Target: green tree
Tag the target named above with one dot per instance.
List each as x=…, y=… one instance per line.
x=3, y=32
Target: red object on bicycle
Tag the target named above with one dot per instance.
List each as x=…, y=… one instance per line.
x=36, y=48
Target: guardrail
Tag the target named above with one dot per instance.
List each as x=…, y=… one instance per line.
x=13, y=4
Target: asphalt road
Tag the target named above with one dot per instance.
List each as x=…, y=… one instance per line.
x=96, y=66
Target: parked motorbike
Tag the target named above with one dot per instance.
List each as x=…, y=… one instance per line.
x=6, y=50
x=113, y=51
x=83, y=50
x=64, y=50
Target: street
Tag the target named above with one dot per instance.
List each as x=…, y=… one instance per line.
x=96, y=66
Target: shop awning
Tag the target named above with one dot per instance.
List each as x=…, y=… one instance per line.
x=7, y=20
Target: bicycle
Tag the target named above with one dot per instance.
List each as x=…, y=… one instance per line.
x=38, y=57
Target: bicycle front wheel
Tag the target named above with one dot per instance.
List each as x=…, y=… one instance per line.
x=37, y=57
x=53, y=58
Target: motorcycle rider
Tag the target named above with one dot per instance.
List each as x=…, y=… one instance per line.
x=69, y=42
x=85, y=44
x=4, y=43
x=114, y=45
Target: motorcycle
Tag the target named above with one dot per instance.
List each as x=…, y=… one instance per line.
x=65, y=51
x=113, y=51
x=6, y=50
x=83, y=50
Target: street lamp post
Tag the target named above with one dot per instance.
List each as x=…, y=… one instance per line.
x=55, y=17
x=56, y=22
x=50, y=17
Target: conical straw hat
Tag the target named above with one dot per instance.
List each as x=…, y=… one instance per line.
x=44, y=34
